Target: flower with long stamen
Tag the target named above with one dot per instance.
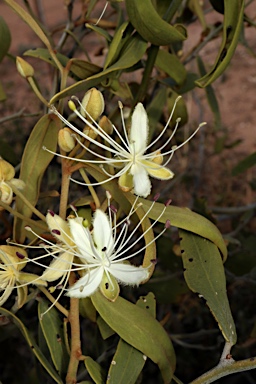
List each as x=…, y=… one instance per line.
x=131, y=156
x=12, y=261
x=100, y=256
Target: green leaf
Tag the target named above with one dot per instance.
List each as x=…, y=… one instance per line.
x=122, y=34
x=151, y=26
x=138, y=328
x=5, y=39
x=30, y=21
x=99, y=31
x=33, y=165
x=128, y=362
x=81, y=69
x=33, y=346
x=52, y=328
x=96, y=372
x=130, y=55
x=233, y=21
x=204, y=274
x=171, y=65
x=184, y=218
x=210, y=94
x=155, y=110
x=245, y=164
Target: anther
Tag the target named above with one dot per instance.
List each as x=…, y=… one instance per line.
x=167, y=224
x=113, y=208
x=120, y=105
x=20, y=256
x=51, y=213
x=168, y=202
x=156, y=197
x=28, y=228
x=56, y=232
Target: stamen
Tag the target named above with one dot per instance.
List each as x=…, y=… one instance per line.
x=56, y=232
x=20, y=255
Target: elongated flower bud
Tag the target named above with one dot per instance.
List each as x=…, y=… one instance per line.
x=65, y=139
x=106, y=125
x=92, y=104
x=24, y=68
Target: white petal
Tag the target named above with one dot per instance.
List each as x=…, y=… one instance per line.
x=139, y=130
x=142, y=184
x=82, y=238
x=58, y=267
x=55, y=222
x=102, y=232
x=87, y=285
x=128, y=274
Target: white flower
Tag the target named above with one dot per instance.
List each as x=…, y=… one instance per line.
x=12, y=261
x=131, y=156
x=102, y=254
x=99, y=256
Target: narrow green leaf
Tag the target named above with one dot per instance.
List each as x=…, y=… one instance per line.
x=81, y=69
x=130, y=55
x=5, y=39
x=184, y=218
x=33, y=346
x=151, y=26
x=33, y=165
x=210, y=94
x=128, y=362
x=52, y=328
x=171, y=65
x=138, y=328
x=204, y=274
x=245, y=164
x=99, y=31
x=155, y=110
x=94, y=369
x=30, y=21
x=117, y=43
x=233, y=21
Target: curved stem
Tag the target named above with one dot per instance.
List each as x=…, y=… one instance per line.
x=225, y=369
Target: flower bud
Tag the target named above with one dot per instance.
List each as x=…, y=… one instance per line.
x=24, y=68
x=65, y=139
x=7, y=171
x=106, y=125
x=88, y=131
x=93, y=103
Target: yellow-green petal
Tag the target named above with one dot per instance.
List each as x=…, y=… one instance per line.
x=125, y=182
x=157, y=171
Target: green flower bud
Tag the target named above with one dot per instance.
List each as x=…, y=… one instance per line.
x=24, y=68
